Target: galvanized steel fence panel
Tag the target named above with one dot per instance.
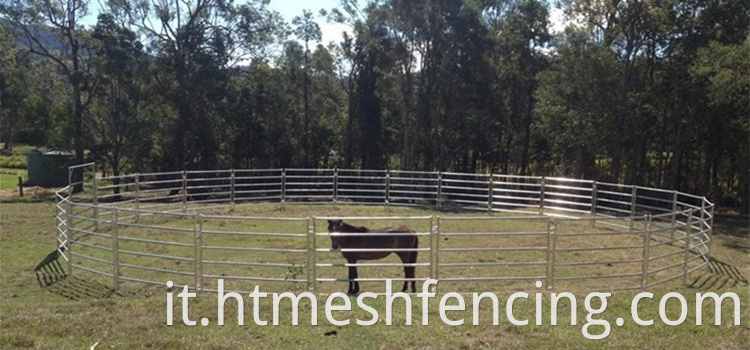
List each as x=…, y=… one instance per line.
x=573, y=233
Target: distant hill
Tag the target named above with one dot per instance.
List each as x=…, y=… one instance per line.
x=46, y=35
x=52, y=41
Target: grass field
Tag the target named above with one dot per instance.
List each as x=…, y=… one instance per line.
x=522, y=258
x=9, y=178
x=81, y=311
x=13, y=165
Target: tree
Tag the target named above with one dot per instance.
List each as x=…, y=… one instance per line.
x=51, y=29
x=521, y=36
x=306, y=29
x=122, y=131
x=14, y=86
x=726, y=70
x=195, y=43
x=574, y=113
x=329, y=109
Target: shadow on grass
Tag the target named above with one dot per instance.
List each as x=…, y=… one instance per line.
x=49, y=271
x=732, y=225
x=76, y=288
x=52, y=276
x=722, y=275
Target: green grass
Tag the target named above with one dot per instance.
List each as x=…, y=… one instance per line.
x=15, y=159
x=9, y=178
x=81, y=311
x=13, y=162
x=18, y=149
x=526, y=263
x=13, y=165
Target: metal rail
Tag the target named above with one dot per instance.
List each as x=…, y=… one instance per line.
x=130, y=226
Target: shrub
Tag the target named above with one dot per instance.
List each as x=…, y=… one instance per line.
x=13, y=162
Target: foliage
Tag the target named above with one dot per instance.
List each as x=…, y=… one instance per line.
x=13, y=162
x=652, y=93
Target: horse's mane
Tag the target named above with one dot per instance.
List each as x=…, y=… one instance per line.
x=355, y=228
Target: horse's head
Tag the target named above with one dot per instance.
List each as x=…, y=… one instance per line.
x=335, y=226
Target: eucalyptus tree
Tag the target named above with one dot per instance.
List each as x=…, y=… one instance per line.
x=521, y=40
x=725, y=70
x=14, y=86
x=626, y=28
x=574, y=114
x=52, y=29
x=329, y=108
x=664, y=124
x=252, y=99
x=347, y=69
x=291, y=126
x=307, y=30
x=122, y=128
x=195, y=42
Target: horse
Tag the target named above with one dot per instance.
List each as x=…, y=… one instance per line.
x=378, y=241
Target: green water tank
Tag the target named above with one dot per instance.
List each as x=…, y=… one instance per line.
x=48, y=169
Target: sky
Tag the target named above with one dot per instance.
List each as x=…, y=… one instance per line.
x=287, y=8
x=291, y=8
x=330, y=31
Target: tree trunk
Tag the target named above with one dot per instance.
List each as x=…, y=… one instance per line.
x=527, y=134
x=675, y=173
x=9, y=126
x=306, y=159
x=407, y=145
x=78, y=142
x=349, y=142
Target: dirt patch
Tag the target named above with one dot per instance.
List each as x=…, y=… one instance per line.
x=33, y=191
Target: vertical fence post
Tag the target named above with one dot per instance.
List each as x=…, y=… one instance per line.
x=115, y=249
x=283, y=188
x=490, y=193
x=688, y=236
x=439, y=190
x=551, y=250
x=137, y=197
x=702, y=224
x=709, y=233
x=335, y=186
x=435, y=233
x=541, y=195
x=646, y=253
x=69, y=229
x=387, y=188
x=674, y=215
x=184, y=191
x=633, y=196
x=95, y=200
x=231, y=189
x=198, y=253
x=594, y=199
x=311, y=250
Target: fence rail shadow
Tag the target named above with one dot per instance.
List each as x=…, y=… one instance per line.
x=721, y=275
x=49, y=271
x=52, y=276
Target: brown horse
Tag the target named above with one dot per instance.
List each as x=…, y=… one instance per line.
x=380, y=243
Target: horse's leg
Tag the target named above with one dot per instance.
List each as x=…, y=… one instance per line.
x=409, y=270
x=406, y=258
x=353, y=284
